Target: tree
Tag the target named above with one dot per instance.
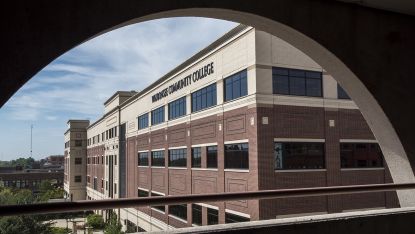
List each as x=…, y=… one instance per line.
x=95, y=221
x=113, y=226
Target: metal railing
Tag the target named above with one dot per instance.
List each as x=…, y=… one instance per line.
x=45, y=208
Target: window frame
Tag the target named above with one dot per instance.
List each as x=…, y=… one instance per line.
x=143, y=121
x=179, y=103
x=227, y=161
x=232, y=79
x=283, y=149
x=180, y=157
x=278, y=73
x=203, y=93
x=139, y=159
x=158, y=116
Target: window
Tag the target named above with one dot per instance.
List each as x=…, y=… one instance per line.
x=236, y=86
x=196, y=214
x=177, y=158
x=143, y=121
x=95, y=183
x=295, y=155
x=157, y=158
x=178, y=211
x=296, y=82
x=115, y=159
x=341, y=93
x=115, y=188
x=177, y=108
x=78, y=143
x=233, y=218
x=78, y=179
x=102, y=183
x=212, y=216
x=204, y=98
x=196, y=157
x=212, y=157
x=236, y=156
x=360, y=155
x=102, y=159
x=160, y=208
x=142, y=193
x=88, y=179
x=143, y=159
x=78, y=160
x=157, y=116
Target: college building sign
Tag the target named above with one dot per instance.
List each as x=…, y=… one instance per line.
x=193, y=77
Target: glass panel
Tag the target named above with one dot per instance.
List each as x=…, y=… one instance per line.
x=314, y=87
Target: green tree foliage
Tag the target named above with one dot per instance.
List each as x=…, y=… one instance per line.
x=95, y=221
x=113, y=225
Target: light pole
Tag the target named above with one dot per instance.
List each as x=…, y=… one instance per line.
x=31, y=140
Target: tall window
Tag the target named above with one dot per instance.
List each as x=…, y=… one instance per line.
x=295, y=155
x=212, y=157
x=161, y=208
x=212, y=216
x=179, y=211
x=236, y=86
x=233, y=218
x=204, y=98
x=360, y=155
x=177, y=108
x=296, y=82
x=157, y=116
x=196, y=214
x=177, y=158
x=143, y=121
x=196, y=157
x=143, y=159
x=157, y=158
x=237, y=156
x=341, y=93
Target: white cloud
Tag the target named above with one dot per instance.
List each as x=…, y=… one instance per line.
x=76, y=84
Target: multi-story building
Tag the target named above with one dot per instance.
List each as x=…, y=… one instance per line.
x=75, y=159
x=249, y=112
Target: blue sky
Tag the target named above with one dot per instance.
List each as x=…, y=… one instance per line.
x=76, y=84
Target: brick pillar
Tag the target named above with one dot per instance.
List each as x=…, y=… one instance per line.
x=332, y=157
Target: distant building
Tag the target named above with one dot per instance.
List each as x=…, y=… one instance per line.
x=19, y=178
x=54, y=161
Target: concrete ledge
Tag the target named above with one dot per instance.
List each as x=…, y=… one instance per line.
x=398, y=220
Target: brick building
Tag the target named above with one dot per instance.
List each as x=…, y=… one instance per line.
x=249, y=112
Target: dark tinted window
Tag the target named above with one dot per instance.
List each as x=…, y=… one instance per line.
x=204, y=98
x=355, y=155
x=78, y=160
x=177, y=158
x=157, y=116
x=78, y=179
x=142, y=193
x=157, y=158
x=232, y=218
x=294, y=155
x=178, y=211
x=196, y=157
x=196, y=214
x=78, y=143
x=212, y=157
x=161, y=208
x=296, y=82
x=143, y=121
x=236, y=156
x=236, y=86
x=212, y=216
x=143, y=159
x=341, y=94
x=177, y=108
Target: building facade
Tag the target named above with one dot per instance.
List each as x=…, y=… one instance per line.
x=249, y=112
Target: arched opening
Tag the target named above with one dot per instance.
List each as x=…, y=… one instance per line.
x=381, y=126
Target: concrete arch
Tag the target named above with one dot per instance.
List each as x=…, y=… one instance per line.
x=307, y=25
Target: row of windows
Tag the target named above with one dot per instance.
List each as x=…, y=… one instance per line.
x=108, y=134
x=287, y=155
x=78, y=143
x=311, y=155
x=284, y=81
x=96, y=160
x=180, y=211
